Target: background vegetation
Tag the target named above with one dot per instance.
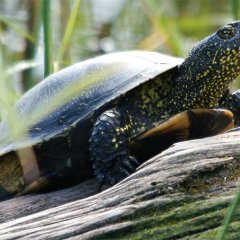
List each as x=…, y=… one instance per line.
x=103, y=26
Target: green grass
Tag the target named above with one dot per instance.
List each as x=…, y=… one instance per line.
x=236, y=9
x=68, y=32
x=47, y=28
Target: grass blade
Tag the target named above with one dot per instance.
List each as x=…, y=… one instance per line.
x=47, y=37
x=235, y=9
x=229, y=217
x=69, y=30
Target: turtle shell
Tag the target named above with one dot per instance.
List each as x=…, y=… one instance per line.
x=72, y=94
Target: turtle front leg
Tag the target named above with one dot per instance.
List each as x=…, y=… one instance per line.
x=232, y=102
x=109, y=148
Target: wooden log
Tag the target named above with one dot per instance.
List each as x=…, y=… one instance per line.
x=182, y=193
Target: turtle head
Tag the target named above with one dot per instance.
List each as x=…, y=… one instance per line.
x=210, y=67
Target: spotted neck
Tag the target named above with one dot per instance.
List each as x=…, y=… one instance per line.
x=204, y=76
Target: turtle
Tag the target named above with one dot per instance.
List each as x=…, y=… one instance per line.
x=104, y=116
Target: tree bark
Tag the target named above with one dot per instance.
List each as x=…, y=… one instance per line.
x=182, y=193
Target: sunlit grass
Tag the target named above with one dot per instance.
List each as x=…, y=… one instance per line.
x=9, y=95
x=17, y=28
x=68, y=33
x=8, y=98
x=164, y=28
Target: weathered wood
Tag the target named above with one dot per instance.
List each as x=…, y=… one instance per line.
x=183, y=192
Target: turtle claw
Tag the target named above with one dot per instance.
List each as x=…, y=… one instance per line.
x=121, y=170
x=134, y=162
x=123, y=173
x=128, y=165
x=125, y=168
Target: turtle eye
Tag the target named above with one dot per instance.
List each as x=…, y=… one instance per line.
x=226, y=32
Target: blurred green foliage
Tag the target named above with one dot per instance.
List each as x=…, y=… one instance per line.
x=105, y=25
